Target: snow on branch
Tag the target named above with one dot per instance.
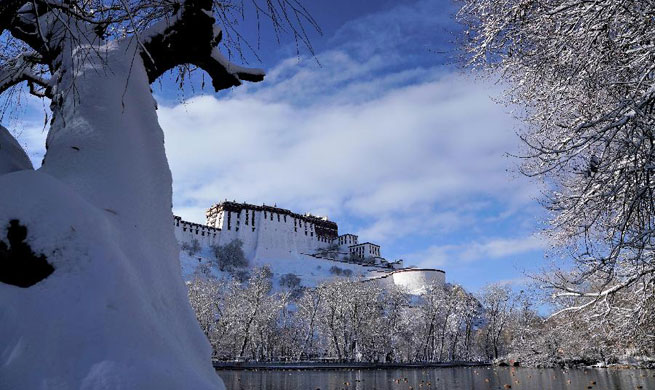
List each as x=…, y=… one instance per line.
x=225, y=74
x=8, y=9
x=582, y=73
x=191, y=37
x=23, y=68
x=243, y=73
x=169, y=34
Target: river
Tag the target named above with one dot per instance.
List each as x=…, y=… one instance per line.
x=452, y=378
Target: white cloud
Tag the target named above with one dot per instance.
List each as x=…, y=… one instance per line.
x=433, y=256
x=402, y=224
x=519, y=281
x=425, y=148
x=476, y=251
x=502, y=247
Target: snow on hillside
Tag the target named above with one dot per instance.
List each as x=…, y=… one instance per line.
x=311, y=270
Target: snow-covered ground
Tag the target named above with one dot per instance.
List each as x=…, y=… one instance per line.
x=311, y=270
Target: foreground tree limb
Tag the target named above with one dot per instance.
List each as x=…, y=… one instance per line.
x=190, y=37
x=583, y=71
x=171, y=34
x=23, y=68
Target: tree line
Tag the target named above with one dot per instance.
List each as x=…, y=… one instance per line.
x=352, y=321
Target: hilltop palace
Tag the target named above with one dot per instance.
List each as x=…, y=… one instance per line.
x=270, y=232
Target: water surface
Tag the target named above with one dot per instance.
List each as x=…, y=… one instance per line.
x=452, y=378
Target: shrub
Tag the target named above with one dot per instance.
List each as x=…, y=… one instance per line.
x=191, y=248
x=241, y=275
x=335, y=270
x=290, y=281
x=230, y=256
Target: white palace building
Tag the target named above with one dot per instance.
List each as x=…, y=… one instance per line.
x=269, y=231
x=272, y=232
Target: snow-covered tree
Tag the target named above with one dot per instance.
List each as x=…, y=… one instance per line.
x=113, y=313
x=259, y=312
x=241, y=319
x=307, y=323
x=395, y=329
x=583, y=72
x=464, y=321
x=431, y=315
x=498, y=305
x=206, y=298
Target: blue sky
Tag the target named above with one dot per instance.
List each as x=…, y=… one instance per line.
x=388, y=136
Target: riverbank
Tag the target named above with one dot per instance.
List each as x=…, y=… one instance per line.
x=633, y=362
x=219, y=365
x=439, y=378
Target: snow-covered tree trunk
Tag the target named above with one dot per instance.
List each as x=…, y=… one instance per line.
x=113, y=311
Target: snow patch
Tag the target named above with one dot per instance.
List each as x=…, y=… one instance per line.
x=12, y=156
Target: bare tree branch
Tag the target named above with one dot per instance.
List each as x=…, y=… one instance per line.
x=584, y=73
x=22, y=68
x=190, y=37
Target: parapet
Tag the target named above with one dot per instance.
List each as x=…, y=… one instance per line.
x=195, y=228
x=322, y=226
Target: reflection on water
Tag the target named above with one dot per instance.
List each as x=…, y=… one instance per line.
x=464, y=378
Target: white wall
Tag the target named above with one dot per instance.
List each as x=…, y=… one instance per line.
x=270, y=239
